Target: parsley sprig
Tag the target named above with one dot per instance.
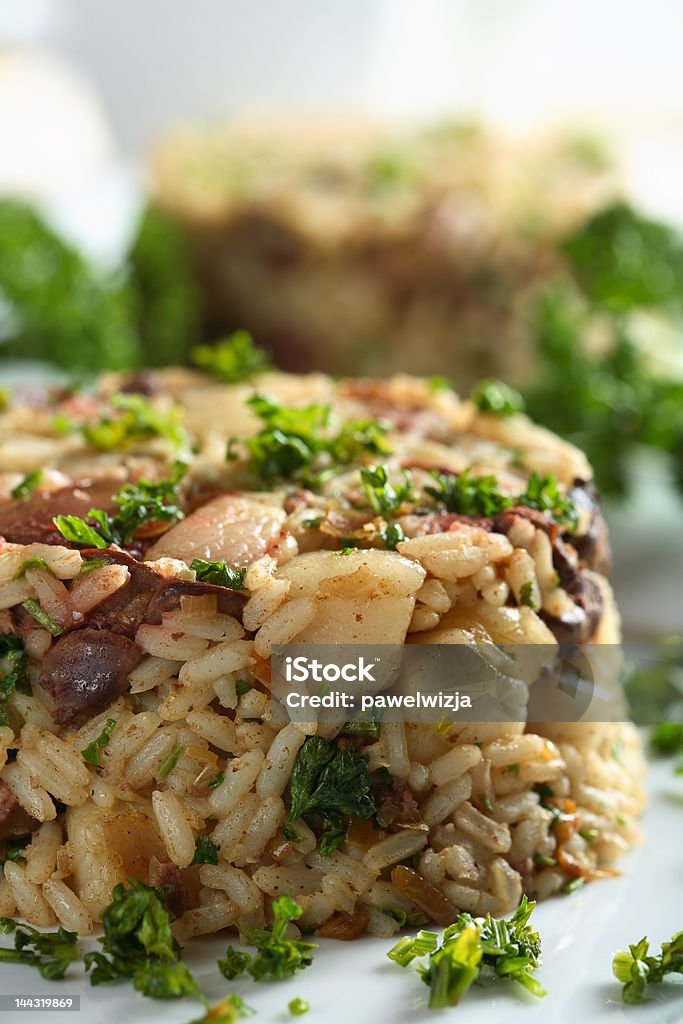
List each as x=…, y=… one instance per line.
x=140, y=502
x=137, y=420
x=13, y=671
x=469, y=495
x=329, y=784
x=219, y=573
x=138, y=945
x=635, y=968
x=277, y=957
x=91, y=753
x=496, y=398
x=298, y=444
x=50, y=952
x=511, y=949
x=234, y=359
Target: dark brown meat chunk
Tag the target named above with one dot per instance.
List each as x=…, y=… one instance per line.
x=164, y=874
x=593, y=546
x=14, y=821
x=29, y=520
x=85, y=670
x=398, y=806
x=167, y=597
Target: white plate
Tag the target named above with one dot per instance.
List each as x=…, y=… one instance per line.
x=356, y=983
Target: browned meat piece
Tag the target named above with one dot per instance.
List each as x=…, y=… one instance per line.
x=439, y=522
x=398, y=806
x=578, y=627
x=126, y=608
x=29, y=520
x=376, y=396
x=167, y=597
x=85, y=670
x=165, y=875
x=593, y=546
x=14, y=821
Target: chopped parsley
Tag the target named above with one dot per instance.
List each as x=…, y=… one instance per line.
x=169, y=763
x=543, y=494
x=45, y=620
x=329, y=785
x=510, y=949
x=277, y=957
x=219, y=573
x=216, y=781
x=30, y=563
x=242, y=687
x=139, y=420
x=298, y=1006
x=13, y=852
x=28, y=485
x=50, y=952
x=205, y=851
x=234, y=359
x=91, y=753
x=296, y=444
x=468, y=495
x=635, y=968
x=138, y=945
x=526, y=594
x=495, y=397
x=384, y=497
x=13, y=671
x=140, y=502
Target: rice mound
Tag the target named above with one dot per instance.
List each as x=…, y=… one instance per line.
x=471, y=816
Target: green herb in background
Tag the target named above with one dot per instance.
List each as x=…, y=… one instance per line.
x=298, y=1006
x=496, y=398
x=218, y=573
x=277, y=957
x=167, y=304
x=60, y=308
x=636, y=969
x=233, y=359
x=609, y=399
x=511, y=949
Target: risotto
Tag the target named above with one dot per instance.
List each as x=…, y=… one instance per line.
x=163, y=534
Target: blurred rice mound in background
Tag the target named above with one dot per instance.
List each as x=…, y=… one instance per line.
x=356, y=249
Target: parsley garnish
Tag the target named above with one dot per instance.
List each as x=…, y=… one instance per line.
x=233, y=359
x=28, y=485
x=91, y=753
x=242, y=687
x=139, y=420
x=205, y=851
x=543, y=494
x=14, y=851
x=30, y=563
x=295, y=444
x=169, y=763
x=45, y=620
x=138, y=945
x=510, y=948
x=219, y=573
x=330, y=784
x=383, y=496
x=277, y=957
x=140, y=502
x=215, y=782
x=496, y=398
x=526, y=594
x=298, y=1006
x=635, y=969
x=468, y=495
x=50, y=952
x=13, y=671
